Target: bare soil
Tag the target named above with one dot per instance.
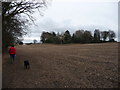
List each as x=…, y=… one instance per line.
x=63, y=66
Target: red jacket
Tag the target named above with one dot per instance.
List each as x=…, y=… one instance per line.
x=12, y=50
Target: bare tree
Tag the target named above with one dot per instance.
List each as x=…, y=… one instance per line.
x=104, y=35
x=111, y=35
x=34, y=41
x=67, y=37
x=13, y=26
x=97, y=35
x=87, y=37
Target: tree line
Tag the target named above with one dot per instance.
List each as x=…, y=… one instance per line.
x=79, y=36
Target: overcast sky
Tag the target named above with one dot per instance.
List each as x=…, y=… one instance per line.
x=73, y=15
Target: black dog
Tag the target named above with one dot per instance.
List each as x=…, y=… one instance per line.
x=26, y=64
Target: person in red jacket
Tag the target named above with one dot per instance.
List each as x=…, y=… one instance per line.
x=12, y=52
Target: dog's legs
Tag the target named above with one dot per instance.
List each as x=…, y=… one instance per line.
x=28, y=67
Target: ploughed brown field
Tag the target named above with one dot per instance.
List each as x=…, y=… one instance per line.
x=63, y=66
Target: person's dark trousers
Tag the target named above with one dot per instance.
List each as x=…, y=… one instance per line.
x=12, y=57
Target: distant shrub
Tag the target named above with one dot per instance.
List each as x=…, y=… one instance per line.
x=28, y=43
x=21, y=43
